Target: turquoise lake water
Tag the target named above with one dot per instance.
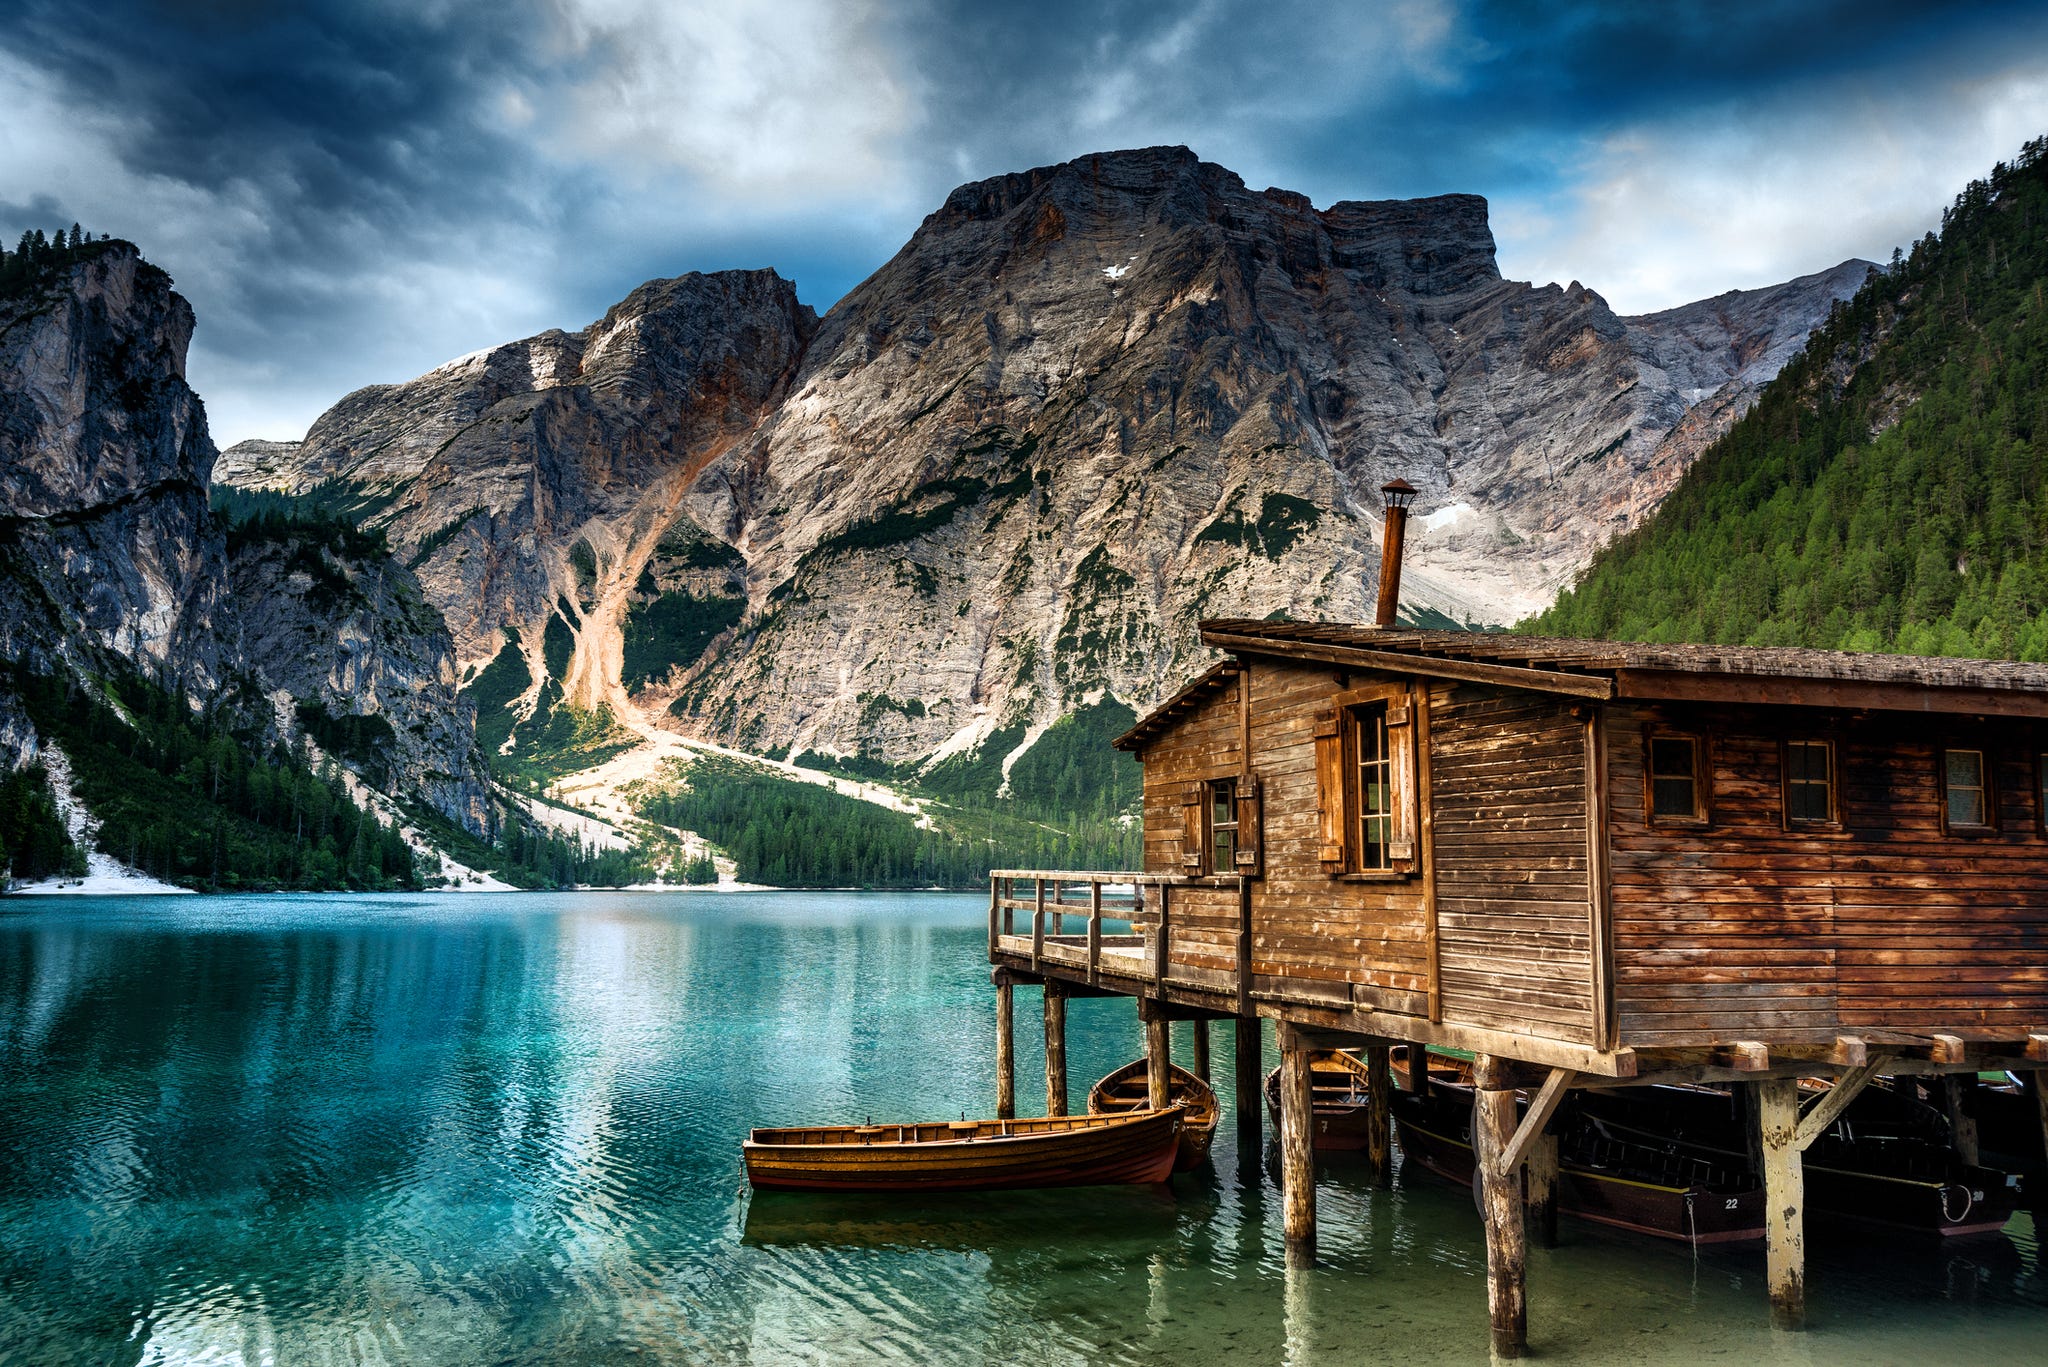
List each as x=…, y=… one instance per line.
x=484, y=1130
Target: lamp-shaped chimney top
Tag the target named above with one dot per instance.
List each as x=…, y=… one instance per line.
x=1398, y=493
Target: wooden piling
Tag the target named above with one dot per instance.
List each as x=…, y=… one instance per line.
x=1006, y=1053
x=1200, y=1062
x=1500, y=1200
x=1955, y=1096
x=2037, y=1201
x=1249, y=1062
x=1776, y=1108
x=1539, y=1190
x=1158, y=1059
x=1055, y=1050
x=1379, y=1114
x=1297, y=1150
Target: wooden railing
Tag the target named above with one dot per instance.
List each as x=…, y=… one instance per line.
x=1054, y=896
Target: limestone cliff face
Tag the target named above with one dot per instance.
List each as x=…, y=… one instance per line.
x=105, y=538
x=1089, y=404
x=368, y=666
x=111, y=557
x=1083, y=407
x=537, y=480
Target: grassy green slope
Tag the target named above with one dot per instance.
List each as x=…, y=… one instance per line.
x=1888, y=491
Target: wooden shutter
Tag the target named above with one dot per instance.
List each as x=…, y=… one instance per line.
x=1330, y=815
x=1401, y=769
x=1194, y=828
x=1251, y=851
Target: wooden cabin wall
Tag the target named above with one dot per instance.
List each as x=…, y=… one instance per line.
x=1514, y=927
x=1203, y=744
x=1368, y=941
x=1743, y=929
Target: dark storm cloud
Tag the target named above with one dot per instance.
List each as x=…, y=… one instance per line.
x=355, y=192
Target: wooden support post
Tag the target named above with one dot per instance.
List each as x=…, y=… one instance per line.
x=1776, y=1108
x=1955, y=1091
x=1095, y=931
x=1161, y=947
x=1418, y=1069
x=995, y=901
x=1251, y=1077
x=1500, y=1200
x=1038, y=927
x=1297, y=1150
x=1379, y=1114
x=1006, y=1052
x=1539, y=1189
x=2037, y=1201
x=1201, y=1054
x=1055, y=1050
x=1158, y=1059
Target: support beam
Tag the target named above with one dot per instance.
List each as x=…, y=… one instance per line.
x=1158, y=1059
x=1829, y=1108
x=1055, y=1050
x=1548, y=1097
x=1297, y=1150
x=1006, y=1051
x=1500, y=1201
x=1962, y=1122
x=1379, y=1114
x=1249, y=1064
x=1539, y=1189
x=1201, y=1057
x=1777, y=1128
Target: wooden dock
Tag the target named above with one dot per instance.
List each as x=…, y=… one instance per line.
x=1588, y=865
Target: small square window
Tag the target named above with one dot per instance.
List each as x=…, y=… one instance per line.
x=1965, y=792
x=1809, y=781
x=1675, y=778
x=1223, y=825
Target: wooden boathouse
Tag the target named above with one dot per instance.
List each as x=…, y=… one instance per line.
x=1588, y=864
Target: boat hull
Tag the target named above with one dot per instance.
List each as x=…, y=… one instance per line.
x=1066, y=1151
x=1885, y=1163
x=1343, y=1121
x=1435, y=1132
x=1127, y=1090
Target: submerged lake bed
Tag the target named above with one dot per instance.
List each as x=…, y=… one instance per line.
x=449, y=1129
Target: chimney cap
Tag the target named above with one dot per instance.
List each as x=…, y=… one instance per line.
x=1398, y=493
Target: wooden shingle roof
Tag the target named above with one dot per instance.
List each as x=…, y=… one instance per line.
x=1596, y=670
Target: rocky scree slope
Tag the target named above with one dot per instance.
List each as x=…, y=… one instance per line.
x=1083, y=407
x=114, y=562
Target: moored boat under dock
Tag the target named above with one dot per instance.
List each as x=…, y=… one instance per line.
x=1127, y=1090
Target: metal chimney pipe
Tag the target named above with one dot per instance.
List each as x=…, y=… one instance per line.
x=1398, y=493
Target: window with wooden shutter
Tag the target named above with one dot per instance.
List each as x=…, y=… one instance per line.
x=1332, y=815
x=1250, y=835
x=1194, y=826
x=1366, y=785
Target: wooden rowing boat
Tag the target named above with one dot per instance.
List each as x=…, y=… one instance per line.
x=1602, y=1177
x=968, y=1155
x=1128, y=1089
x=1886, y=1161
x=1340, y=1082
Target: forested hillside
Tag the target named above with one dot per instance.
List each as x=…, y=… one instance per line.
x=1887, y=490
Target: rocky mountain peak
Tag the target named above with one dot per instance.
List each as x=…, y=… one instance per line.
x=1082, y=407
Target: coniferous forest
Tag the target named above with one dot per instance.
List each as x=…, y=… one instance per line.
x=1889, y=491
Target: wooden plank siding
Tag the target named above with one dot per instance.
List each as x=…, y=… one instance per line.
x=1745, y=928
x=1514, y=929
x=1508, y=811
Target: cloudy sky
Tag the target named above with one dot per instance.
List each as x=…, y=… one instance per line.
x=353, y=193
